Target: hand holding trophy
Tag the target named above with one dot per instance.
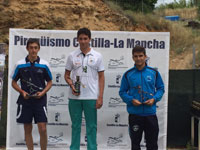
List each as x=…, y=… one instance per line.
x=34, y=90
x=76, y=87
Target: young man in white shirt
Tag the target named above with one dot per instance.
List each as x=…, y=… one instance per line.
x=88, y=65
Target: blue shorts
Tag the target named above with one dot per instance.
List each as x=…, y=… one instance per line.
x=25, y=114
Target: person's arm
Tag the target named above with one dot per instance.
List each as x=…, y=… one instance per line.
x=160, y=89
x=48, y=78
x=99, y=102
x=70, y=82
x=159, y=86
x=123, y=92
x=67, y=78
x=45, y=90
x=18, y=89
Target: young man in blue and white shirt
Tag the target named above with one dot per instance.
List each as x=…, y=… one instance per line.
x=141, y=88
x=35, y=80
x=88, y=65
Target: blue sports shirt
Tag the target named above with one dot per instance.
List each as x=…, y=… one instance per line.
x=142, y=85
x=32, y=78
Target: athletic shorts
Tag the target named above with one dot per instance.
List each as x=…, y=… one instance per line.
x=26, y=114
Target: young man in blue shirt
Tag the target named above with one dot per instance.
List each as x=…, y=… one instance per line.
x=35, y=80
x=141, y=88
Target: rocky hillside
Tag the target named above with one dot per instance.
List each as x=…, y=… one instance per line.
x=60, y=14
x=71, y=15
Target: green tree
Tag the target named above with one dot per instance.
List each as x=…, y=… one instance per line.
x=137, y=5
x=178, y=4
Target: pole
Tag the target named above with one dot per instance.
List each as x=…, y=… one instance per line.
x=142, y=6
x=194, y=58
x=194, y=75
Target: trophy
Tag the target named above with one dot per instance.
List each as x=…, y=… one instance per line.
x=32, y=88
x=145, y=95
x=77, y=85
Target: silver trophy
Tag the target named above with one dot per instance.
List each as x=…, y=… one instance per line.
x=32, y=88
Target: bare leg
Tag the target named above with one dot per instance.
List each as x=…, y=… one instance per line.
x=43, y=135
x=28, y=135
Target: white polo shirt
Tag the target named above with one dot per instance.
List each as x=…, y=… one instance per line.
x=87, y=67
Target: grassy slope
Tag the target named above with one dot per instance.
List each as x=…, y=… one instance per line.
x=182, y=38
x=97, y=16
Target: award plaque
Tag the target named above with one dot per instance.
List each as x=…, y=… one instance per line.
x=32, y=88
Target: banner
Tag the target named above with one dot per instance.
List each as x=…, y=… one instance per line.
x=116, y=48
x=2, y=65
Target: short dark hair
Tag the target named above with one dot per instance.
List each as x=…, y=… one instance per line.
x=85, y=31
x=33, y=40
x=139, y=48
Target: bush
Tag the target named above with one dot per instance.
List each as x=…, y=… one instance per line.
x=175, y=4
x=137, y=5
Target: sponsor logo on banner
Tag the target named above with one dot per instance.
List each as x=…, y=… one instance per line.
x=57, y=100
x=115, y=141
x=18, y=144
x=85, y=141
x=58, y=80
x=57, y=120
x=83, y=144
x=57, y=117
x=143, y=143
x=115, y=102
x=117, y=82
x=57, y=62
x=53, y=139
x=117, y=63
x=85, y=138
x=116, y=122
x=83, y=121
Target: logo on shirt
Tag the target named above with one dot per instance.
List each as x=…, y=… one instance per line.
x=39, y=71
x=136, y=128
x=77, y=63
x=85, y=69
x=25, y=70
x=149, y=78
x=91, y=60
